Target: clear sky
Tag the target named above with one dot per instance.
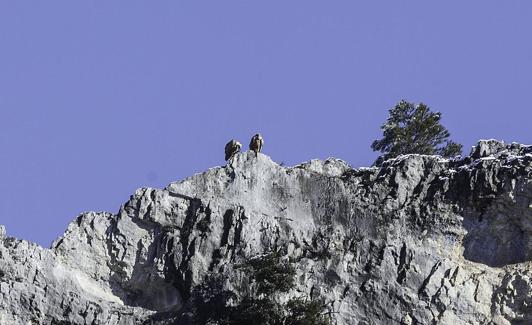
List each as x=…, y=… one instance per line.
x=98, y=98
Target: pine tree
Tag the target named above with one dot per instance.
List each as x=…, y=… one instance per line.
x=415, y=129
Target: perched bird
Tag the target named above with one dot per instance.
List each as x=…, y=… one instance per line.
x=256, y=143
x=232, y=148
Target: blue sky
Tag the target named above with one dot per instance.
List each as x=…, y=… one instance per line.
x=100, y=98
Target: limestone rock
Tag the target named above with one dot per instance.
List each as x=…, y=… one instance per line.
x=417, y=240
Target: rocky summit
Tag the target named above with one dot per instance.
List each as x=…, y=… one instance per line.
x=416, y=240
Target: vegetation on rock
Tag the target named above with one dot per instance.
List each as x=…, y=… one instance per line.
x=414, y=129
x=269, y=276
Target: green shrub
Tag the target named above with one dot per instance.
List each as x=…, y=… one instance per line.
x=411, y=129
x=271, y=274
x=306, y=312
x=252, y=311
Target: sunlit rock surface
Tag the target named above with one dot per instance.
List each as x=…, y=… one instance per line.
x=418, y=240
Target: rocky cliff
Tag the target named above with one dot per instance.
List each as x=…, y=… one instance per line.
x=418, y=240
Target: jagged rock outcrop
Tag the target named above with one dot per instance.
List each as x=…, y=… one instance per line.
x=418, y=240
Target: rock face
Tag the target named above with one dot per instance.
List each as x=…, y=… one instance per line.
x=418, y=240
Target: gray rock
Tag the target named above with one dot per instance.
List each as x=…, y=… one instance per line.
x=487, y=148
x=418, y=240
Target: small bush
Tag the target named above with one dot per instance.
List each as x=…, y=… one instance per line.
x=256, y=311
x=306, y=312
x=271, y=274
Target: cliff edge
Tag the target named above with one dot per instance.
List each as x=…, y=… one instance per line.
x=418, y=240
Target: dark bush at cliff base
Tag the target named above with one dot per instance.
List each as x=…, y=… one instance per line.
x=270, y=276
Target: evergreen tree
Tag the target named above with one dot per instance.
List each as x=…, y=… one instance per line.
x=269, y=276
x=414, y=128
